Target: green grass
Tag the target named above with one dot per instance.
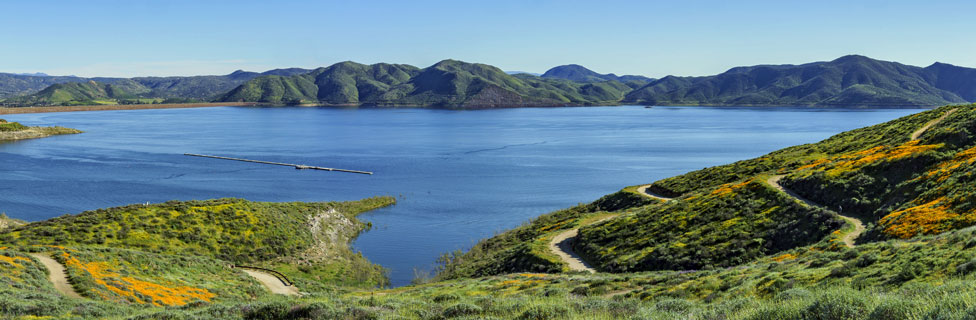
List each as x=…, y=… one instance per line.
x=130, y=276
x=275, y=235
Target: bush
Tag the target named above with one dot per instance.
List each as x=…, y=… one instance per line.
x=837, y=305
x=544, y=312
x=966, y=268
x=895, y=309
x=447, y=297
x=461, y=309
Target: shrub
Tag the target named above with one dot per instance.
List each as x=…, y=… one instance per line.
x=446, y=297
x=967, y=267
x=837, y=305
x=673, y=305
x=895, y=309
x=544, y=312
x=461, y=309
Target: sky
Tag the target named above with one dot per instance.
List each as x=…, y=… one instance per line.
x=652, y=38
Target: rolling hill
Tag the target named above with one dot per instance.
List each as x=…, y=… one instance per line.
x=848, y=81
x=191, y=87
x=449, y=83
x=77, y=93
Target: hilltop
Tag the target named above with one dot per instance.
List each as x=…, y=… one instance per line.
x=575, y=72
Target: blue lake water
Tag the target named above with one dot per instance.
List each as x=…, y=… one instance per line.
x=460, y=176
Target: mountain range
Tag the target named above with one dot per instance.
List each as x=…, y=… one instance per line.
x=191, y=87
x=449, y=83
x=849, y=81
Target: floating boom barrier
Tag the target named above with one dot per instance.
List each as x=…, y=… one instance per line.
x=296, y=166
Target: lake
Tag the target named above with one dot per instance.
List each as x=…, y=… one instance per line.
x=459, y=176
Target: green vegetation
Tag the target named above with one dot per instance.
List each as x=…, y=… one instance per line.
x=17, y=131
x=303, y=239
x=700, y=231
x=449, y=83
x=728, y=215
x=75, y=93
x=196, y=88
x=11, y=126
x=849, y=81
x=729, y=245
x=130, y=276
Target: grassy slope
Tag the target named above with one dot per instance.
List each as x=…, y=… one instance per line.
x=728, y=215
x=275, y=235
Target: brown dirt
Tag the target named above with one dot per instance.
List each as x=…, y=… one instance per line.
x=562, y=246
x=848, y=238
x=57, y=275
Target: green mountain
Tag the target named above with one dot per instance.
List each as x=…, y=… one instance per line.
x=74, y=93
x=579, y=73
x=449, y=83
x=193, y=87
x=848, y=81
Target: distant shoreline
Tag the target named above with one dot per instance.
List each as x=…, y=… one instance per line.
x=25, y=110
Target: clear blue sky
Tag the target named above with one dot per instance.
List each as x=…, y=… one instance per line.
x=653, y=38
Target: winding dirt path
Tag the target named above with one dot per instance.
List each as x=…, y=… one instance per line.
x=562, y=246
x=643, y=190
x=920, y=131
x=272, y=283
x=56, y=275
x=848, y=238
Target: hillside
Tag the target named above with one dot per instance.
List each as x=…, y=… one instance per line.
x=79, y=93
x=302, y=239
x=449, y=83
x=903, y=178
x=191, y=87
x=848, y=81
x=575, y=72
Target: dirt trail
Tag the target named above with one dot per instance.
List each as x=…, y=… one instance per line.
x=272, y=283
x=57, y=276
x=643, y=190
x=920, y=131
x=562, y=246
x=849, y=237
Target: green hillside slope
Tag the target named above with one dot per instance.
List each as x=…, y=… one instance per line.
x=306, y=239
x=79, y=93
x=732, y=214
x=849, y=81
x=449, y=83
